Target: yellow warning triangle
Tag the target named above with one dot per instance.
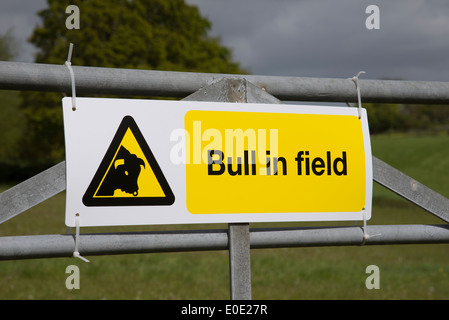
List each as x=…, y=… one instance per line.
x=129, y=174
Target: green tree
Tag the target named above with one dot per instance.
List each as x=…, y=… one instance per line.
x=383, y=117
x=138, y=34
x=11, y=119
x=407, y=118
x=428, y=118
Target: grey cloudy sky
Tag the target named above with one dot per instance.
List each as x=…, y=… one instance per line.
x=313, y=38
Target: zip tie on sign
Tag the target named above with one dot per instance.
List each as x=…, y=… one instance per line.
x=355, y=79
x=76, y=253
x=68, y=64
x=366, y=236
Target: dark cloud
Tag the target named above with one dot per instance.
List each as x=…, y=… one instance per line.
x=327, y=38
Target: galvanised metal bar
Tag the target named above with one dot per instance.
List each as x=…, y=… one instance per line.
x=410, y=189
x=94, y=80
x=31, y=192
x=54, y=246
x=239, y=261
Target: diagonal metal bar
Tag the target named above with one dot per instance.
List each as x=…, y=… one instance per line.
x=31, y=192
x=410, y=189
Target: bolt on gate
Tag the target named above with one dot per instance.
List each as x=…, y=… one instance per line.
x=238, y=238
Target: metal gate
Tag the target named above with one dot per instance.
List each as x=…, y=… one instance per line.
x=238, y=238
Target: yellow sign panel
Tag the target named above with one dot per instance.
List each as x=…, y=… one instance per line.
x=129, y=175
x=257, y=162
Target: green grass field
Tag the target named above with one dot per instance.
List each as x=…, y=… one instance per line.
x=406, y=271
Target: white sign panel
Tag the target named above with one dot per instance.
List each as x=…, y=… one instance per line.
x=137, y=162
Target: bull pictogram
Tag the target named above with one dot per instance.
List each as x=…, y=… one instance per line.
x=123, y=174
x=129, y=174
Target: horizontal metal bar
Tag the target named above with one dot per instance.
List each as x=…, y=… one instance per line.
x=52, y=246
x=349, y=236
x=410, y=189
x=93, y=80
x=31, y=192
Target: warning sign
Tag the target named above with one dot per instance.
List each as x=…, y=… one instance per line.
x=129, y=175
x=144, y=162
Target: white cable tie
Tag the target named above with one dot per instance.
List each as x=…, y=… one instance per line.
x=355, y=79
x=72, y=75
x=366, y=236
x=76, y=253
x=365, y=233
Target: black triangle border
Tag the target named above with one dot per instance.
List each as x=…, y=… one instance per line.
x=90, y=201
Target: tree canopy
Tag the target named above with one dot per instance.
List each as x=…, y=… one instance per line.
x=146, y=34
x=139, y=34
